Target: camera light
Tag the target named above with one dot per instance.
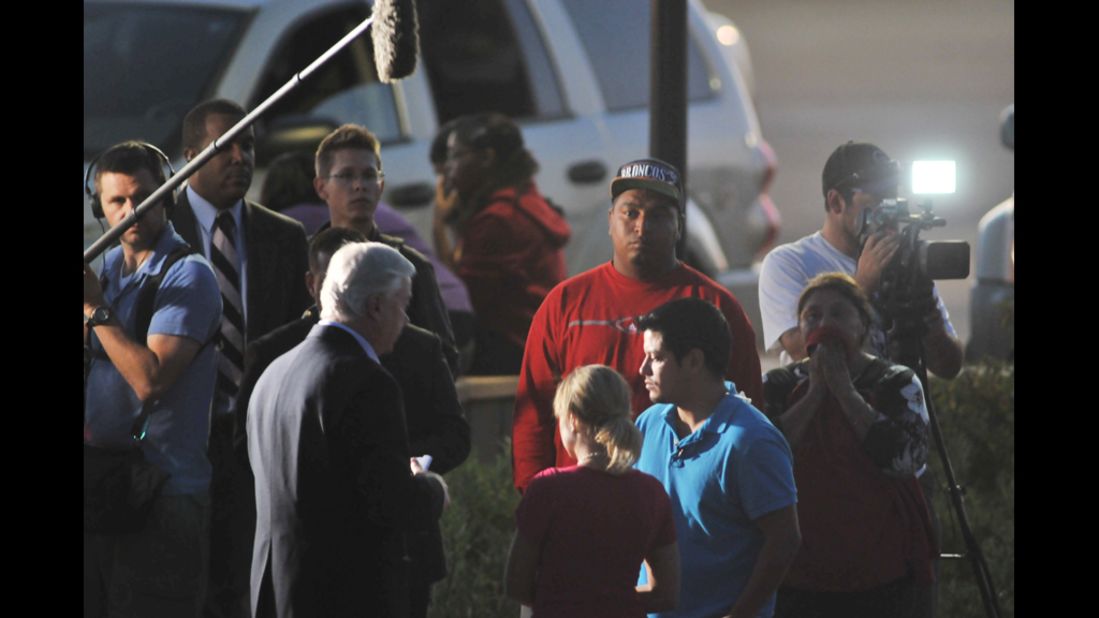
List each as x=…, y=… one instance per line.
x=728, y=35
x=933, y=177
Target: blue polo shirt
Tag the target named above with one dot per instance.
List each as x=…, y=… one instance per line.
x=188, y=304
x=735, y=468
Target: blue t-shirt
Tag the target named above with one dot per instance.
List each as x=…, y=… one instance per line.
x=735, y=468
x=188, y=304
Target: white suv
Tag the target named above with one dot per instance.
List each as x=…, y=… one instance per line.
x=573, y=73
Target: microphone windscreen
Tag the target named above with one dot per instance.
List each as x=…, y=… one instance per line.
x=396, y=38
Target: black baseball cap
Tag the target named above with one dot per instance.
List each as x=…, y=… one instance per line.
x=861, y=165
x=651, y=174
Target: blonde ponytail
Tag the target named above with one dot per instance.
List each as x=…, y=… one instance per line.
x=599, y=398
x=622, y=440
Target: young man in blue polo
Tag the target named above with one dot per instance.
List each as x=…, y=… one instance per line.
x=726, y=468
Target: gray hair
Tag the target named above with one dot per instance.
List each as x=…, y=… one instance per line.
x=358, y=271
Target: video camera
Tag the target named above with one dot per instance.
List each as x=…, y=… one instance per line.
x=904, y=295
x=944, y=259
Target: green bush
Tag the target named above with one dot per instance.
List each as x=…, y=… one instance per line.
x=976, y=413
x=477, y=530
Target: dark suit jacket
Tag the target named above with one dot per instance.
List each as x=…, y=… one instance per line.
x=436, y=425
x=326, y=438
x=277, y=260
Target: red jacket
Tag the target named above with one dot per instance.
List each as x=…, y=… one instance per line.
x=511, y=258
x=591, y=319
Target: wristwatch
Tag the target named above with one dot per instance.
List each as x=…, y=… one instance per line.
x=100, y=315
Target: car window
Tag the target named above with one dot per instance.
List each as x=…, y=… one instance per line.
x=486, y=56
x=615, y=35
x=345, y=89
x=137, y=84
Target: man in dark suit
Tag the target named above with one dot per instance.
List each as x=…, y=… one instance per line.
x=270, y=247
x=258, y=256
x=433, y=414
x=327, y=443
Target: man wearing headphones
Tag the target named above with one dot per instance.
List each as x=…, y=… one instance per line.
x=149, y=322
x=856, y=178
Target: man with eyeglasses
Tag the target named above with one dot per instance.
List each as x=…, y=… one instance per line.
x=350, y=180
x=856, y=178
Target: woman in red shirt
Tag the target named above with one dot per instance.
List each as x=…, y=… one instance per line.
x=508, y=240
x=583, y=531
x=857, y=425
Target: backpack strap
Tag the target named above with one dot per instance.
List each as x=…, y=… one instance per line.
x=143, y=317
x=146, y=300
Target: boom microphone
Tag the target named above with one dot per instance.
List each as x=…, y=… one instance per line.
x=396, y=39
x=396, y=43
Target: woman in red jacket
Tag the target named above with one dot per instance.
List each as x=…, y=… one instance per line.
x=509, y=240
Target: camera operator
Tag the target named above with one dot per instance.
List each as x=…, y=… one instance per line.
x=856, y=178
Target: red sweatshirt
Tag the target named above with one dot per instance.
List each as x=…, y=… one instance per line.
x=511, y=257
x=590, y=319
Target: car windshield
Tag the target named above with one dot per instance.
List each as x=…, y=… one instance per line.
x=138, y=83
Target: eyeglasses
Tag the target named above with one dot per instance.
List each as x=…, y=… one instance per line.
x=348, y=178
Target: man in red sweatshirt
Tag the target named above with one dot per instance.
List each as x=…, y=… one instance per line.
x=590, y=318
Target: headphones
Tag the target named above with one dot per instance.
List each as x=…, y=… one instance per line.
x=152, y=152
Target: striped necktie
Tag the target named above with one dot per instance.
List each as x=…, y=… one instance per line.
x=226, y=263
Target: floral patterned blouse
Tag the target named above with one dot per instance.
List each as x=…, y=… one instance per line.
x=897, y=442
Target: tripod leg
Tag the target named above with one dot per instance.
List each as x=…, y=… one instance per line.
x=973, y=549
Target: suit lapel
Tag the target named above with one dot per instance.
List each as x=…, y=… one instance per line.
x=256, y=244
x=261, y=268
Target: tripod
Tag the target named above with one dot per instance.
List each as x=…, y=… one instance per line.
x=908, y=327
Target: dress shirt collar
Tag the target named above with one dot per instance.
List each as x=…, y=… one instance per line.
x=369, y=349
x=205, y=212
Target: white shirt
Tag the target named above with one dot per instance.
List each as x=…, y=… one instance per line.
x=783, y=276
